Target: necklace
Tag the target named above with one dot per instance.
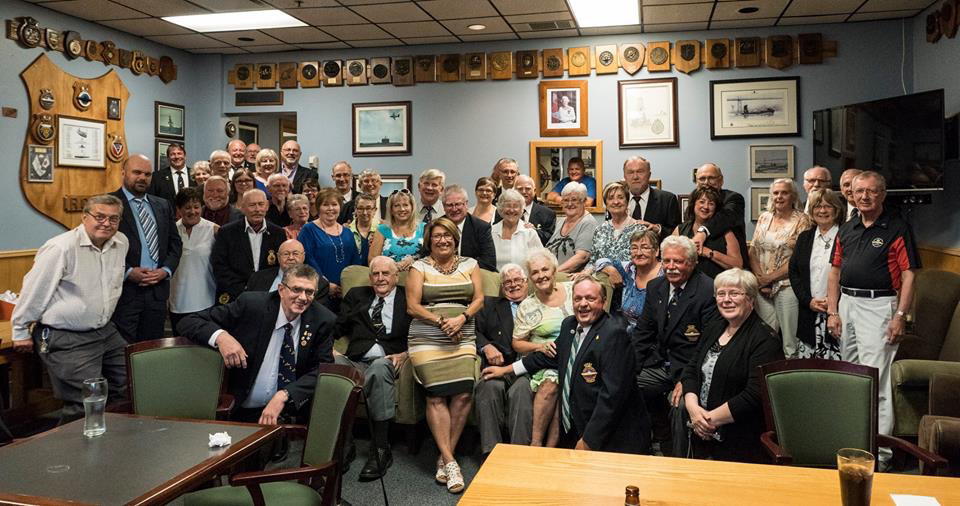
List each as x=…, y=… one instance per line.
x=338, y=253
x=450, y=270
x=826, y=241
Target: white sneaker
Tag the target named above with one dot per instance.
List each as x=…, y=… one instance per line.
x=454, y=477
x=441, y=476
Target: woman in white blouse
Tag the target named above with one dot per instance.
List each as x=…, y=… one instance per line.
x=192, y=287
x=511, y=236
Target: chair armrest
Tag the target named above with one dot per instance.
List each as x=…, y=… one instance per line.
x=295, y=431
x=297, y=473
x=225, y=406
x=777, y=453
x=918, y=372
x=944, y=398
x=931, y=460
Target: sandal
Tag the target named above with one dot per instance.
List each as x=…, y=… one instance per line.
x=454, y=477
x=441, y=476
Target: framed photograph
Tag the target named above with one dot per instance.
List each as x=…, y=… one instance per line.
x=755, y=108
x=758, y=201
x=391, y=183
x=382, y=129
x=249, y=133
x=40, y=164
x=169, y=120
x=771, y=161
x=113, y=108
x=684, y=200
x=550, y=161
x=81, y=142
x=836, y=131
x=563, y=108
x=160, y=152
x=648, y=113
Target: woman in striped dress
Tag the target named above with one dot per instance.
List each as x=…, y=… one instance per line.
x=444, y=293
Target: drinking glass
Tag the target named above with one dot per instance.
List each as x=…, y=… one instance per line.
x=856, y=476
x=94, y=404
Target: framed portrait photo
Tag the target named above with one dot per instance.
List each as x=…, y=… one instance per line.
x=742, y=108
x=169, y=120
x=40, y=163
x=759, y=197
x=81, y=142
x=382, y=129
x=553, y=164
x=771, y=161
x=648, y=113
x=563, y=108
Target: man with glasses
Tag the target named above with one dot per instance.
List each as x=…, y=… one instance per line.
x=291, y=253
x=220, y=164
x=816, y=178
x=370, y=183
x=296, y=173
x=476, y=239
x=273, y=343
x=730, y=216
x=68, y=297
x=678, y=307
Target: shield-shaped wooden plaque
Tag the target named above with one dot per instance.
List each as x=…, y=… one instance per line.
x=686, y=55
x=631, y=57
x=779, y=51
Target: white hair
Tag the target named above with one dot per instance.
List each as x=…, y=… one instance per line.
x=575, y=187
x=513, y=267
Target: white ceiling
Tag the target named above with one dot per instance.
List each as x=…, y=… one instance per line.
x=380, y=23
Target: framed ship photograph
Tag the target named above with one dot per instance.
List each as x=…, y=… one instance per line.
x=382, y=129
x=771, y=161
x=742, y=108
x=169, y=120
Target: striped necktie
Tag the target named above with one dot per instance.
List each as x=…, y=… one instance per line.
x=567, y=376
x=149, y=227
x=428, y=215
x=377, y=318
x=287, y=373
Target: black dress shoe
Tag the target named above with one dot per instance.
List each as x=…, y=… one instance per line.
x=349, y=458
x=371, y=471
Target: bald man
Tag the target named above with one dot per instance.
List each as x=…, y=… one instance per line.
x=816, y=178
x=154, y=253
x=237, y=149
x=290, y=166
x=728, y=217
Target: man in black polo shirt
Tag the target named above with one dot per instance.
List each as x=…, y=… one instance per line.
x=874, y=259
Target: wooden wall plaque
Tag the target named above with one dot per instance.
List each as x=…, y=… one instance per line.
x=658, y=56
x=578, y=61
x=332, y=73
x=747, y=51
x=501, y=65
x=380, y=70
x=245, y=76
x=288, y=74
x=451, y=68
x=355, y=72
x=607, y=60
x=309, y=74
x=686, y=55
x=403, y=71
x=948, y=18
x=425, y=68
x=528, y=64
x=717, y=54
x=476, y=66
x=779, y=51
x=553, y=62
x=632, y=56
x=811, y=48
x=266, y=76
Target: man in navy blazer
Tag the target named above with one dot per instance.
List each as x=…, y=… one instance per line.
x=600, y=405
x=168, y=181
x=651, y=206
x=476, y=236
x=155, y=246
x=272, y=342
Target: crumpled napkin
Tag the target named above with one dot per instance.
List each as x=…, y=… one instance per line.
x=9, y=296
x=220, y=439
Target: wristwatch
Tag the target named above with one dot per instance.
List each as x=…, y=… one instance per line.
x=710, y=256
x=703, y=229
x=901, y=314
x=833, y=314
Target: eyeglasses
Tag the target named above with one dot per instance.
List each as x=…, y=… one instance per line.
x=642, y=247
x=291, y=254
x=733, y=294
x=103, y=218
x=309, y=292
x=513, y=282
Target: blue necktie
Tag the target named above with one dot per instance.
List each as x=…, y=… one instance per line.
x=288, y=359
x=149, y=226
x=567, y=376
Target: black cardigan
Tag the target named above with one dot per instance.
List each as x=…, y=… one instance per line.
x=800, y=281
x=736, y=381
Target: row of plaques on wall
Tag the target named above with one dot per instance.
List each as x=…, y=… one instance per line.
x=943, y=22
x=779, y=51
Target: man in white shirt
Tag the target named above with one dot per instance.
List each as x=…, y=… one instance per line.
x=70, y=294
x=342, y=174
x=431, y=186
x=846, y=187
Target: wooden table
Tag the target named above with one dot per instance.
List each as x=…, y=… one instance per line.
x=139, y=460
x=523, y=475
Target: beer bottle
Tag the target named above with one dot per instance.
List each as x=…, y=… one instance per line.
x=633, y=496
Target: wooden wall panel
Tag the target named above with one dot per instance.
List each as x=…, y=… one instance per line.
x=945, y=259
x=13, y=267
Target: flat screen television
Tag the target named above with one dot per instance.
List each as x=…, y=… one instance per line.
x=899, y=137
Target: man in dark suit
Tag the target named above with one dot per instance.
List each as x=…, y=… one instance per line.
x=168, y=181
x=678, y=306
x=476, y=238
x=375, y=321
x=370, y=183
x=273, y=342
x=244, y=246
x=654, y=207
x=237, y=149
x=600, y=405
x=216, y=202
x=507, y=401
x=729, y=217
x=268, y=279
x=296, y=173
x=155, y=246
x=279, y=187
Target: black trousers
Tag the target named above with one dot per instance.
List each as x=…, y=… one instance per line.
x=141, y=311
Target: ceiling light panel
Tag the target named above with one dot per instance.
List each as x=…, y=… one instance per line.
x=234, y=21
x=590, y=13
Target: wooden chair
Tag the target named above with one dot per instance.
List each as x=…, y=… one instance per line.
x=331, y=418
x=814, y=407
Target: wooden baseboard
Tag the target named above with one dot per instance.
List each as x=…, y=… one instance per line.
x=14, y=265
x=945, y=259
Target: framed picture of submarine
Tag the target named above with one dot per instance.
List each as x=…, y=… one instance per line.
x=382, y=129
x=755, y=108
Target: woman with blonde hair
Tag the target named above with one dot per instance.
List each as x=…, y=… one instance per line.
x=401, y=237
x=266, y=165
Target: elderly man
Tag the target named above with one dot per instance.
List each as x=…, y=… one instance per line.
x=342, y=174
x=296, y=173
x=816, y=178
x=278, y=187
x=238, y=156
x=370, y=183
x=476, y=239
x=505, y=173
x=535, y=214
x=375, y=321
x=220, y=164
x=874, y=261
x=290, y=253
x=430, y=186
x=600, y=405
x=68, y=297
x=216, y=202
x=154, y=253
x=244, y=246
x=846, y=187
x=251, y=154
x=169, y=180
x=576, y=171
x=728, y=217
x=655, y=208
x=679, y=305
x=273, y=342
x=507, y=401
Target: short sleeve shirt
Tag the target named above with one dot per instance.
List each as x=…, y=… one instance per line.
x=873, y=258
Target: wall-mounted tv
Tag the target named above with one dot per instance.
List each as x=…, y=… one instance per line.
x=899, y=137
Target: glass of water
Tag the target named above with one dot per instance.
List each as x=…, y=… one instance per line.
x=94, y=405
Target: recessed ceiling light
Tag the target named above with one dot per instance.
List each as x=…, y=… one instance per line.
x=229, y=21
x=477, y=27
x=748, y=10
x=607, y=13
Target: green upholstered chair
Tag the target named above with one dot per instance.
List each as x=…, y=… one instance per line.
x=331, y=417
x=814, y=407
x=940, y=429
x=175, y=377
x=930, y=346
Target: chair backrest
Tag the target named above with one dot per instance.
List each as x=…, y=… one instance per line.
x=331, y=415
x=950, y=349
x=935, y=300
x=818, y=406
x=174, y=377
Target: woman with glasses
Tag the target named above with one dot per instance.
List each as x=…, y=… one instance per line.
x=401, y=237
x=298, y=209
x=719, y=253
x=643, y=266
x=721, y=384
x=243, y=181
x=572, y=240
x=328, y=245
x=362, y=225
x=310, y=189
x=192, y=287
x=485, y=190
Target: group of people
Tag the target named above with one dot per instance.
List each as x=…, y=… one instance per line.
x=645, y=327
